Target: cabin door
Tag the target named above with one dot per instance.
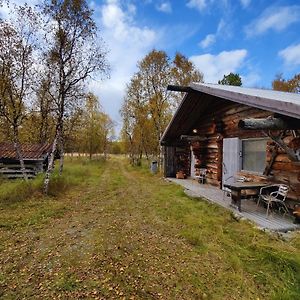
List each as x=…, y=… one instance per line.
x=193, y=161
x=231, y=159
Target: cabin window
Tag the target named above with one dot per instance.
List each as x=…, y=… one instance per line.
x=254, y=155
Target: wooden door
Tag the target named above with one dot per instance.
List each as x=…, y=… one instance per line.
x=193, y=161
x=169, y=161
x=231, y=159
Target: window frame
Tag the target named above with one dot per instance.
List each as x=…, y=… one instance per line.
x=242, y=154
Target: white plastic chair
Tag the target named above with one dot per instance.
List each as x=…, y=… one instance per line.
x=275, y=193
x=202, y=175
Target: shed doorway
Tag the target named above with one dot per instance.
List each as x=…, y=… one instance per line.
x=231, y=159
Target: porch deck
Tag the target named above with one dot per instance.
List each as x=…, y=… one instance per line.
x=250, y=211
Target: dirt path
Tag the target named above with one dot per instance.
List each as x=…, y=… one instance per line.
x=107, y=245
x=113, y=240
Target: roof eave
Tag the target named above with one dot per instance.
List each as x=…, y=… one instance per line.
x=258, y=102
x=162, y=140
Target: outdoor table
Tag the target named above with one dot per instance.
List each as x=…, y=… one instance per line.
x=237, y=187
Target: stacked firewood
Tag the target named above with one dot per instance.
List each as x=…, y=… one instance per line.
x=182, y=163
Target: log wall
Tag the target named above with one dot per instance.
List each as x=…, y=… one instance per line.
x=221, y=121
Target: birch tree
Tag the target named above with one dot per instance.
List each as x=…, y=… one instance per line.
x=138, y=125
x=73, y=56
x=183, y=73
x=148, y=106
x=155, y=74
x=38, y=126
x=17, y=41
x=91, y=126
x=286, y=85
x=44, y=106
x=107, y=132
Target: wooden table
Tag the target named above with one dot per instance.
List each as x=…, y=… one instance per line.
x=237, y=187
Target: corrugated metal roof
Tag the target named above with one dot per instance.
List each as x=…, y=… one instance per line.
x=29, y=151
x=280, y=102
x=201, y=96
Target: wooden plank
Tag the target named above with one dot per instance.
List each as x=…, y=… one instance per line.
x=268, y=124
x=13, y=176
x=270, y=162
x=17, y=166
x=12, y=171
x=286, y=166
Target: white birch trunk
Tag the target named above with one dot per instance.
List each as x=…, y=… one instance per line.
x=20, y=157
x=50, y=166
x=62, y=155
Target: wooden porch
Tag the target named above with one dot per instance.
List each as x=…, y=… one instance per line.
x=257, y=215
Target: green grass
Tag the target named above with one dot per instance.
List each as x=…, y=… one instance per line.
x=271, y=265
x=66, y=282
x=23, y=203
x=18, y=190
x=112, y=231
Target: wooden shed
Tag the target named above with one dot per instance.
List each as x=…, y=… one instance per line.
x=233, y=130
x=35, y=159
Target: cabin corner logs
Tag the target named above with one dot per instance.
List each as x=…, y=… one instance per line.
x=221, y=121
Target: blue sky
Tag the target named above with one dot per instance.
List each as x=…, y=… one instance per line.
x=255, y=38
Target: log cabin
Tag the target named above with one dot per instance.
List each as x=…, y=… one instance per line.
x=233, y=130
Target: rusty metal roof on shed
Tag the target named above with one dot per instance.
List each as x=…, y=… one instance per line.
x=29, y=151
x=200, y=95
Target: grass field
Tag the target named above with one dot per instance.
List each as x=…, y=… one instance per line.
x=111, y=231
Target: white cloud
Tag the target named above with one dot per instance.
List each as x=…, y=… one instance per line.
x=165, y=7
x=198, y=4
x=214, y=67
x=221, y=26
x=245, y=3
x=274, y=18
x=202, y=5
x=209, y=40
x=291, y=55
x=175, y=36
x=223, y=30
x=131, y=8
x=252, y=79
x=128, y=43
x=4, y=11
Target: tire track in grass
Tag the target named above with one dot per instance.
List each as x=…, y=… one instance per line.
x=113, y=243
x=155, y=258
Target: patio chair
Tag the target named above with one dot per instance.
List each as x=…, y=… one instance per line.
x=274, y=194
x=231, y=179
x=202, y=175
